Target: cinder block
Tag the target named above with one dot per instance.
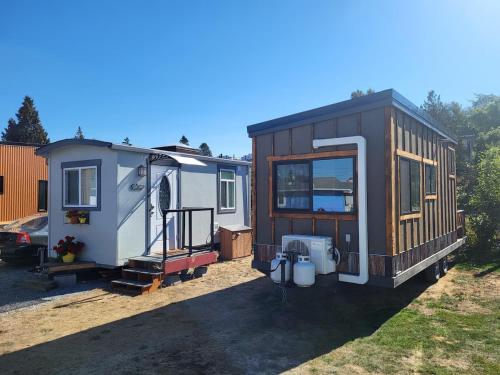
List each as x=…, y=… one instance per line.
x=172, y=280
x=64, y=281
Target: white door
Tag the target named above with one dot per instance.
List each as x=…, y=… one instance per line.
x=163, y=196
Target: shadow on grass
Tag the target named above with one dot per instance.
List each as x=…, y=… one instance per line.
x=241, y=329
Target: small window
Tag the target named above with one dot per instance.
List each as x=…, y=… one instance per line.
x=293, y=186
x=333, y=185
x=80, y=187
x=164, y=194
x=42, y=195
x=452, y=168
x=409, y=183
x=1, y=184
x=227, y=189
x=430, y=179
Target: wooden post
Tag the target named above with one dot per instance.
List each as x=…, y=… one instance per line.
x=164, y=234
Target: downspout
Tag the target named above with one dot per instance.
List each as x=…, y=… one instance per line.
x=360, y=141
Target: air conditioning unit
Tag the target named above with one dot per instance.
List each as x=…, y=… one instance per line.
x=320, y=250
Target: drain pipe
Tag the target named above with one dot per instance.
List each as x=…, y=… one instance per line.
x=360, y=141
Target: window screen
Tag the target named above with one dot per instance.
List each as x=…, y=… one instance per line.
x=42, y=195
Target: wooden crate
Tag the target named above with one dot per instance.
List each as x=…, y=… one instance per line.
x=235, y=241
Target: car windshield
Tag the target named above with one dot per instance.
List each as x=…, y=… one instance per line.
x=34, y=224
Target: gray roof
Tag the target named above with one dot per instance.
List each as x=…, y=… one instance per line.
x=364, y=103
x=47, y=149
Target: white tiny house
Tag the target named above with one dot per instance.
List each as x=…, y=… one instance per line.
x=119, y=192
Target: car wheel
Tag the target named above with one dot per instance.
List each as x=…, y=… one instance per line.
x=443, y=265
x=432, y=273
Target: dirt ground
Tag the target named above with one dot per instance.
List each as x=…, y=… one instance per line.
x=231, y=321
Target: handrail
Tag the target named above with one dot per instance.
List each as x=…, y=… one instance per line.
x=190, y=211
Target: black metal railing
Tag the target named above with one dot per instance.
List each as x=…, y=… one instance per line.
x=189, y=247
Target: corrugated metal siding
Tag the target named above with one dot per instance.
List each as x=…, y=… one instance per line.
x=22, y=170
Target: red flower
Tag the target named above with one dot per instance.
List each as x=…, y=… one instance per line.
x=61, y=242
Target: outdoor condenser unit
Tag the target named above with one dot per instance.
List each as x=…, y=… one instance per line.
x=319, y=248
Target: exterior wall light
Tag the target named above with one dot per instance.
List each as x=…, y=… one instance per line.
x=142, y=171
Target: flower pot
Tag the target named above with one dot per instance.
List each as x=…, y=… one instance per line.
x=82, y=220
x=68, y=258
x=73, y=220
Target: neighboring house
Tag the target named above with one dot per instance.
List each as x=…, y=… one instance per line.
x=374, y=173
x=23, y=181
x=119, y=192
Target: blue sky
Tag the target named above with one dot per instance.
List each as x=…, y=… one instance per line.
x=154, y=70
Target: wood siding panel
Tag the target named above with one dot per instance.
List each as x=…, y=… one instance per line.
x=22, y=170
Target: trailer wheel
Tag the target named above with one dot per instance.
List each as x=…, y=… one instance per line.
x=443, y=265
x=432, y=273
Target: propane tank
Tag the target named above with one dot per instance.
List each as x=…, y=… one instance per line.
x=304, y=271
x=275, y=265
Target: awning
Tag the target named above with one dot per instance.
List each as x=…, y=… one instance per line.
x=187, y=160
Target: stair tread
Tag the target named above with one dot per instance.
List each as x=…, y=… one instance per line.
x=143, y=271
x=142, y=284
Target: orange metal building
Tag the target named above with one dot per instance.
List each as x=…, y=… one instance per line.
x=23, y=181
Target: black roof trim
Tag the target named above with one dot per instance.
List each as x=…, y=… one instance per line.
x=347, y=107
x=44, y=150
x=8, y=143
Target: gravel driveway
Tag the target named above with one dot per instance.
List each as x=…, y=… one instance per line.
x=14, y=295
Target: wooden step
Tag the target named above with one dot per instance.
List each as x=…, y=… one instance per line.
x=134, y=283
x=143, y=271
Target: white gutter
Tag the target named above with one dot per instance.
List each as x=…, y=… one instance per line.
x=360, y=141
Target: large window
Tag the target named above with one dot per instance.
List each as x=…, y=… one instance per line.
x=409, y=184
x=227, y=190
x=322, y=185
x=80, y=187
x=42, y=195
x=430, y=179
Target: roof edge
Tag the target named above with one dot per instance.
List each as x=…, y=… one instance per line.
x=344, y=108
x=46, y=149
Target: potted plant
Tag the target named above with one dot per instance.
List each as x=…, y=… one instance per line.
x=67, y=249
x=82, y=218
x=72, y=215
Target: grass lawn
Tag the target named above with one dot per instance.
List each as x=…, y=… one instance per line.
x=452, y=328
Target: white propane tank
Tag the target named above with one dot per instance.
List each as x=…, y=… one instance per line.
x=276, y=274
x=304, y=272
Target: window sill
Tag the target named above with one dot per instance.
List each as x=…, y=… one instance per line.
x=415, y=215
x=315, y=215
x=81, y=208
x=431, y=197
x=222, y=211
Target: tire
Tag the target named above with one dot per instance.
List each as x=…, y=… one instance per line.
x=443, y=266
x=432, y=273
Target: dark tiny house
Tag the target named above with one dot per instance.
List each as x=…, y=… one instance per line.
x=374, y=173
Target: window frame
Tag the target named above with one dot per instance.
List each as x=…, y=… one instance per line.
x=411, y=211
x=311, y=210
x=45, y=198
x=221, y=209
x=79, y=165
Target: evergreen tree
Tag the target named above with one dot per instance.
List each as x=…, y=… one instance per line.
x=184, y=140
x=359, y=93
x=79, y=134
x=28, y=128
x=205, y=150
x=126, y=141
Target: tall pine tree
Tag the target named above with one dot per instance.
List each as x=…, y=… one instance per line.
x=79, y=133
x=205, y=150
x=28, y=128
x=184, y=140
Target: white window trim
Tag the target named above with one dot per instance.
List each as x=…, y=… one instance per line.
x=79, y=169
x=233, y=180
